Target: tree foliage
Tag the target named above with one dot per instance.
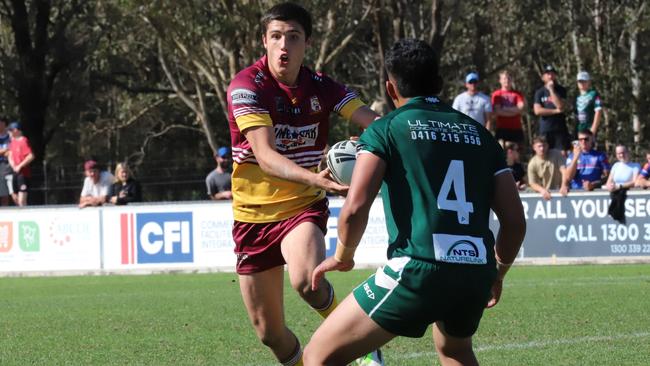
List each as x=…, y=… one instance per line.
x=144, y=81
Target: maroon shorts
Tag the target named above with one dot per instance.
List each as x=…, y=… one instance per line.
x=257, y=246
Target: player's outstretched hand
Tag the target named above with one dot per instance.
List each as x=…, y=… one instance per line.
x=325, y=181
x=497, y=286
x=329, y=264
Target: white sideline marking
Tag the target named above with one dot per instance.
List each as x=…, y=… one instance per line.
x=534, y=344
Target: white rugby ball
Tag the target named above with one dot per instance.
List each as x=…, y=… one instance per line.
x=340, y=160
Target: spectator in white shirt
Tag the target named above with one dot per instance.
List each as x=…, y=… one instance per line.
x=624, y=172
x=96, y=185
x=474, y=103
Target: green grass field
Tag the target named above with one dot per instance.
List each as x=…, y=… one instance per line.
x=559, y=315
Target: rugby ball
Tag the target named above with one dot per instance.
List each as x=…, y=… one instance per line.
x=340, y=161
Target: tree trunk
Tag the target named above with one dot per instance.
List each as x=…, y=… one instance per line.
x=33, y=94
x=635, y=80
x=574, y=36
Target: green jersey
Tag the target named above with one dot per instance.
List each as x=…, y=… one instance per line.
x=586, y=106
x=439, y=182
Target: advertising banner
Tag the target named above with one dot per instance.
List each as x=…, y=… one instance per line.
x=168, y=236
x=374, y=243
x=579, y=226
x=49, y=240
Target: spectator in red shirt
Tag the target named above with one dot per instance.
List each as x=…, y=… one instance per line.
x=508, y=106
x=20, y=156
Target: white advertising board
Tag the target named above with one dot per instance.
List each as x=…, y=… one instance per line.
x=168, y=237
x=56, y=239
x=374, y=243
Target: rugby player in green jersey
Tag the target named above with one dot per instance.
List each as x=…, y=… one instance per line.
x=440, y=173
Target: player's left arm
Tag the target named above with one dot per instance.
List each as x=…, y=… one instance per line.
x=363, y=116
x=508, y=208
x=368, y=173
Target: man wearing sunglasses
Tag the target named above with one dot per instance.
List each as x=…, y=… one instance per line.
x=587, y=168
x=474, y=103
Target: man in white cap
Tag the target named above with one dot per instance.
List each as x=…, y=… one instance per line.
x=588, y=105
x=474, y=103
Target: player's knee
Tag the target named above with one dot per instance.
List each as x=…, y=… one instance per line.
x=268, y=336
x=303, y=287
x=309, y=357
x=313, y=356
x=456, y=351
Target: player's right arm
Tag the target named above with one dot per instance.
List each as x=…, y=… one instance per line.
x=507, y=206
x=353, y=218
x=262, y=140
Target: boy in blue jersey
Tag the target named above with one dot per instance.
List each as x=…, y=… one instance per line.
x=444, y=265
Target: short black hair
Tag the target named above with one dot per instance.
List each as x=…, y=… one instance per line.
x=585, y=131
x=286, y=12
x=414, y=66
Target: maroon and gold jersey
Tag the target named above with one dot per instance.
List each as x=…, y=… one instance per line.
x=300, y=117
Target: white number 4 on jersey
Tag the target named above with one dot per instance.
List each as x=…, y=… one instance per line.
x=455, y=177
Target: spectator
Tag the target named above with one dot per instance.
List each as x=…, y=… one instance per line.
x=96, y=185
x=474, y=103
x=549, y=105
x=545, y=169
x=588, y=105
x=512, y=159
x=622, y=178
x=508, y=105
x=218, y=181
x=643, y=181
x=5, y=169
x=624, y=173
x=125, y=189
x=20, y=157
x=586, y=167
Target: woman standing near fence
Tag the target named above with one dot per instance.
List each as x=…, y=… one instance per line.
x=125, y=189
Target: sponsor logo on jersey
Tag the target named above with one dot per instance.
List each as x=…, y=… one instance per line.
x=369, y=293
x=156, y=238
x=295, y=111
x=459, y=249
x=279, y=104
x=259, y=78
x=294, y=137
x=432, y=100
x=314, y=104
x=243, y=96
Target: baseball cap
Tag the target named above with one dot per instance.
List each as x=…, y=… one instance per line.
x=583, y=76
x=14, y=126
x=90, y=164
x=223, y=151
x=472, y=76
x=549, y=68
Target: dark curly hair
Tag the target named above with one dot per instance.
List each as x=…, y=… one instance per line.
x=413, y=64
